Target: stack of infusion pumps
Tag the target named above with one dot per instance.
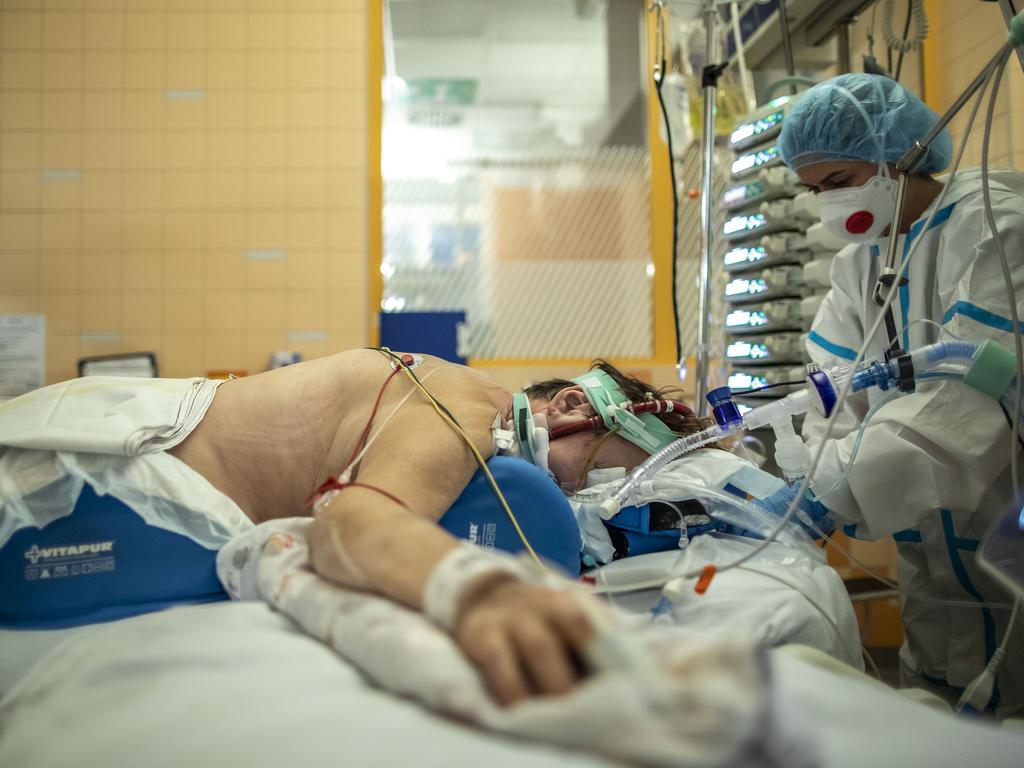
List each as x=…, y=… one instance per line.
x=775, y=257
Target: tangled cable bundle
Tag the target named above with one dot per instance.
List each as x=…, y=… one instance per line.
x=905, y=45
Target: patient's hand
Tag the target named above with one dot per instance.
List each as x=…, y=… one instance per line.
x=525, y=639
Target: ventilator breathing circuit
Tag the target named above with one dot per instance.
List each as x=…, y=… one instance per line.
x=985, y=366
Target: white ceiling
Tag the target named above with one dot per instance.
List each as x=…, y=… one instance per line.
x=541, y=66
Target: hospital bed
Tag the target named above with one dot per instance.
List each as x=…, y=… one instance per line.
x=237, y=683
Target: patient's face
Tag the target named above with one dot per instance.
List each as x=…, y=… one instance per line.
x=569, y=454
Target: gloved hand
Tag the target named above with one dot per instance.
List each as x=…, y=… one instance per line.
x=809, y=509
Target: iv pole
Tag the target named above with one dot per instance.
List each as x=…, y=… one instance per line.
x=709, y=81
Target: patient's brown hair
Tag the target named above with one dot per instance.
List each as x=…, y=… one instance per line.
x=637, y=391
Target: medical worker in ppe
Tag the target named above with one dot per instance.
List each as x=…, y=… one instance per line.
x=933, y=469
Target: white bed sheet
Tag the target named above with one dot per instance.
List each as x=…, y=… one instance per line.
x=237, y=685
x=783, y=596
x=228, y=684
x=739, y=604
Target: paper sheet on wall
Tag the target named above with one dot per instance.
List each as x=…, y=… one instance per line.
x=22, y=354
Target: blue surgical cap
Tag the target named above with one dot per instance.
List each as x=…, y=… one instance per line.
x=860, y=117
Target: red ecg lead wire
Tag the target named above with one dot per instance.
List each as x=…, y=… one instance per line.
x=333, y=483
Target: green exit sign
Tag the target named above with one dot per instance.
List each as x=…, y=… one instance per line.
x=440, y=91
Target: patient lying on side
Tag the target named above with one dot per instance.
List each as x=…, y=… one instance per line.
x=269, y=441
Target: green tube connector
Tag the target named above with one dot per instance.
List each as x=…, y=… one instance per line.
x=993, y=368
x=1016, y=36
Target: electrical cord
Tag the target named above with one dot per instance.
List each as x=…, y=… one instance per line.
x=904, y=44
x=1009, y=423
x=871, y=31
x=446, y=416
x=768, y=386
x=409, y=372
x=659, y=80
x=906, y=31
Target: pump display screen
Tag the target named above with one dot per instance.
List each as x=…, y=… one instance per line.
x=746, y=381
x=739, y=224
x=756, y=127
x=744, y=256
x=746, y=350
x=742, y=193
x=741, y=318
x=754, y=159
x=743, y=286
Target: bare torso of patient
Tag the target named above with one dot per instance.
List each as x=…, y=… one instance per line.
x=269, y=441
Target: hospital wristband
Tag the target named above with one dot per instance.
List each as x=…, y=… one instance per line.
x=455, y=574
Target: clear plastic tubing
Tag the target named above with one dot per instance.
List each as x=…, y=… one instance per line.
x=927, y=357
x=952, y=356
x=948, y=358
x=658, y=460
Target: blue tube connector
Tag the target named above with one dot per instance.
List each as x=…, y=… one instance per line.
x=726, y=412
x=878, y=374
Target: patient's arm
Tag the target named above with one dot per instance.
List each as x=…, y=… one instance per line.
x=523, y=638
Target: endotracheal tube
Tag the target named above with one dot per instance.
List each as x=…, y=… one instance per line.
x=986, y=366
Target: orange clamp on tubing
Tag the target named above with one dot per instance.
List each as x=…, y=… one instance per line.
x=704, y=581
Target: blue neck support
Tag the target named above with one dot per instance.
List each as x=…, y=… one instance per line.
x=542, y=510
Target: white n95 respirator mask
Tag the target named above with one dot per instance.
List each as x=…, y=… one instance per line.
x=859, y=214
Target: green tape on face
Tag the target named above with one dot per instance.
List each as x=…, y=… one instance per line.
x=645, y=430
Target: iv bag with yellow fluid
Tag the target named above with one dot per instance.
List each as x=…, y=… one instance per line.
x=729, y=107
x=729, y=101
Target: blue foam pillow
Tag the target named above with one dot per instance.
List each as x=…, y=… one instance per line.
x=543, y=512
x=104, y=562
x=101, y=562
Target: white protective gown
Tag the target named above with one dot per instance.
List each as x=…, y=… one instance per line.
x=933, y=468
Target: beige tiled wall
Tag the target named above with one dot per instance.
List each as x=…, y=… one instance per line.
x=860, y=30
x=963, y=36
x=185, y=176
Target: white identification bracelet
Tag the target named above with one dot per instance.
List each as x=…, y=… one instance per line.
x=454, y=573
